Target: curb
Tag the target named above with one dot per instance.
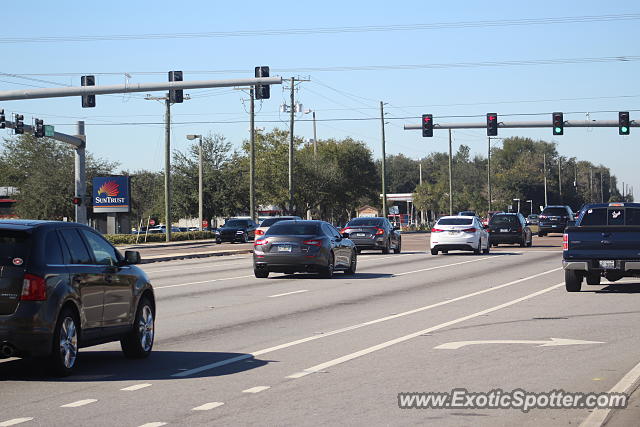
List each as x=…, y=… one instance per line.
x=160, y=258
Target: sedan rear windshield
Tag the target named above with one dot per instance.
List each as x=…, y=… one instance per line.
x=268, y=222
x=455, y=221
x=555, y=212
x=365, y=222
x=293, y=229
x=14, y=244
x=236, y=223
x=498, y=220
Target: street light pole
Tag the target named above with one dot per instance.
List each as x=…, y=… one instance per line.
x=450, y=177
x=252, y=155
x=167, y=168
x=200, y=191
x=489, y=171
x=517, y=200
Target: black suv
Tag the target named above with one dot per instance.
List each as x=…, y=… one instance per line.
x=237, y=230
x=373, y=233
x=553, y=219
x=63, y=287
x=509, y=228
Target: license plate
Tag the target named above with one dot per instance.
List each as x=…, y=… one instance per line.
x=360, y=234
x=453, y=233
x=607, y=264
x=284, y=248
x=504, y=230
x=554, y=225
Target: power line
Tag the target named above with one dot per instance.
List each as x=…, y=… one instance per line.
x=330, y=30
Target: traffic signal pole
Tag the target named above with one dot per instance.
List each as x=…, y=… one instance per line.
x=80, y=186
x=525, y=125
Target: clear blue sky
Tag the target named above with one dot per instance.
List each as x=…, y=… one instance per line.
x=447, y=91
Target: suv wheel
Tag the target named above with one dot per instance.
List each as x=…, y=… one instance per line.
x=137, y=344
x=65, y=344
x=572, y=281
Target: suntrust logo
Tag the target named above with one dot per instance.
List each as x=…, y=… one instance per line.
x=108, y=193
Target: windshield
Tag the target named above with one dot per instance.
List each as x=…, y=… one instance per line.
x=610, y=216
x=236, y=223
x=365, y=222
x=293, y=229
x=555, y=212
x=498, y=220
x=455, y=221
x=270, y=221
x=14, y=244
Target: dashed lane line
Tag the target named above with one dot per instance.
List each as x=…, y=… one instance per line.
x=136, y=387
x=15, y=421
x=79, y=403
x=288, y=293
x=257, y=389
x=353, y=327
x=208, y=406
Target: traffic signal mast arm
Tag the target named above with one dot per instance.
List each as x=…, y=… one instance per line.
x=524, y=125
x=77, y=142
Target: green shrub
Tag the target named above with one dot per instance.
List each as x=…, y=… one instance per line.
x=130, y=239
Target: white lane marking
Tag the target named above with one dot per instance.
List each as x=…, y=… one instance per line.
x=15, y=421
x=79, y=403
x=204, y=281
x=552, y=342
x=135, y=387
x=208, y=406
x=399, y=340
x=288, y=293
x=441, y=266
x=626, y=385
x=350, y=328
x=256, y=389
x=156, y=424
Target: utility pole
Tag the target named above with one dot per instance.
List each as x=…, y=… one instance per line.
x=315, y=137
x=544, y=175
x=384, y=161
x=293, y=107
x=421, y=210
x=450, y=177
x=80, y=176
x=560, y=177
x=591, y=198
x=601, y=188
x=489, y=171
x=200, y=186
x=167, y=168
x=252, y=154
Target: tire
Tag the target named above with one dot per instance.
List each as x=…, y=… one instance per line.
x=593, y=279
x=245, y=238
x=262, y=273
x=359, y=250
x=64, y=349
x=434, y=252
x=327, y=272
x=479, y=249
x=530, y=242
x=572, y=281
x=218, y=241
x=386, y=248
x=487, y=250
x=138, y=343
x=523, y=243
x=398, y=248
x=353, y=264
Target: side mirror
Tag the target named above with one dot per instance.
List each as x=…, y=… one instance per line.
x=132, y=257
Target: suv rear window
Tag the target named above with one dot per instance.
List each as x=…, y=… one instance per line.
x=365, y=222
x=292, y=229
x=455, y=221
x=555, y=212
x=14, y=244
x=498, y=220
x=236, y=223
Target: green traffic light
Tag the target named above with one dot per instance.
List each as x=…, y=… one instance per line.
x=624, y=129
x=558, y=130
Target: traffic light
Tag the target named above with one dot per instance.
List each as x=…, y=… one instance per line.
x=19, y=126
x=76, y=200
x=623, y=123
x=558, y=123
x=176, y=96
x=262, y=91
x=88, y=101
x=492, y=124
x=2, y=119
x=38, y=129
x=427, y=125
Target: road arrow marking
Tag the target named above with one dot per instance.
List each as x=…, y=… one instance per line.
x=553, y=342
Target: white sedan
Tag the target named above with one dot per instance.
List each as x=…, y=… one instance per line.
x=464, y=233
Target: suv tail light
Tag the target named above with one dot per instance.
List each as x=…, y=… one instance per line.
x=312, y=242
x=470, y=230
x=379, y=231
x=34, y=288
x=565, y=242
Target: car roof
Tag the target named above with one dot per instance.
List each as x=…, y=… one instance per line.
x=28, y=224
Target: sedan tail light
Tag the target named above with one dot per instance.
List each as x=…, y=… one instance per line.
x=259, y=232
x=436, y=230
x=260, y=242
x=379, y=231
x=344, y=230
x=470, y=230
x=34, y=288
x=565, y=242
x=312, y=242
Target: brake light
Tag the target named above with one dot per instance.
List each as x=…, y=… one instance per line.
x=470, y=230
x=259, y=232
x=312, y=242
x=379, y=231
x=260, y=242
x=565, y=242
x=344, y=230
x=34, y=288
x=542, y=217
x=436, y=230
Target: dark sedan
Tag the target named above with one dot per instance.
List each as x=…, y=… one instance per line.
x=237, y=230
x=509, y=228
x=303, y=246
x=63, y=287
x=373, y=233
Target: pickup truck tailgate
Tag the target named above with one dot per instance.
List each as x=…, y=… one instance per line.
x=603, y=243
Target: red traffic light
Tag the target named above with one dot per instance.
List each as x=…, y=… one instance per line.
x=492, y=124
x=76, y=200
x=427, y=125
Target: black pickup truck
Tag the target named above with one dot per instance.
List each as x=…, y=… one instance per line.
x=604, y=242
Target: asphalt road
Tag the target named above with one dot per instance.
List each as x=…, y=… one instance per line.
x=298, y=350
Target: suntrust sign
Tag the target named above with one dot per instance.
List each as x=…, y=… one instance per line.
x=111, y=194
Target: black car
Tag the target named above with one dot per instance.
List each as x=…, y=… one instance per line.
x=467, y=213
x=237, y=230
x=509, y=228
x=63, y=287
x=553, y=219
x=303, y=246
x=373, y=233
